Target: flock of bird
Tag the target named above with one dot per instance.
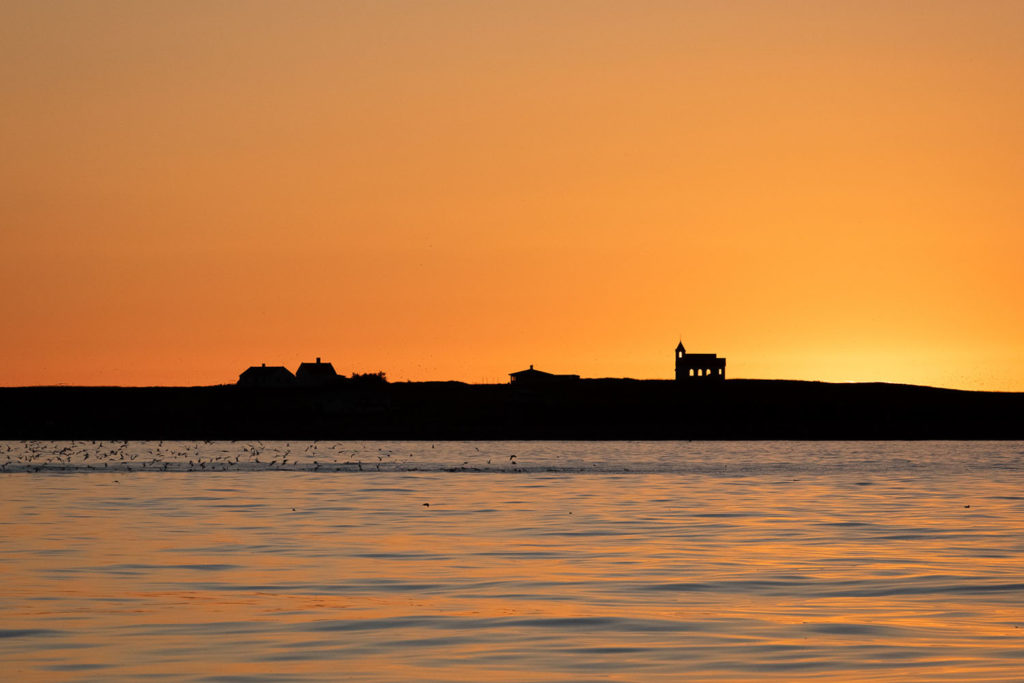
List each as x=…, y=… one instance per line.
x=223, y=456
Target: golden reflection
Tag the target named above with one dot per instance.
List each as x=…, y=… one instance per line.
x=512, y=577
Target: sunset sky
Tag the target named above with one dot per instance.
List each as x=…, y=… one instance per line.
x=456, y=190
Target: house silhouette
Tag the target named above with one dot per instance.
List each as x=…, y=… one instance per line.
x=316, y=374
x=266, y=376
x=531, y=376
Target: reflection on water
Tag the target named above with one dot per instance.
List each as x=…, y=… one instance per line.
x=702, y=561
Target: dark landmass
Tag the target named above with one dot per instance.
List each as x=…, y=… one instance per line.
x=584, y=409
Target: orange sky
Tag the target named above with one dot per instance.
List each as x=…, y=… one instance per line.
x=455, y=190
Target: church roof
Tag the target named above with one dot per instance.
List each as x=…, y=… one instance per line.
x=681, y=347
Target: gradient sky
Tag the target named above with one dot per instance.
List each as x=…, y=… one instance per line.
x=456, y=190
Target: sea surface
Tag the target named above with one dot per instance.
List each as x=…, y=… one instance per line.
x=511, y=561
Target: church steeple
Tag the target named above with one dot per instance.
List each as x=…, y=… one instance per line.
x=680, y=350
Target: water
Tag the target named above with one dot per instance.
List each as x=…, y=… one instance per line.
x=574, y=561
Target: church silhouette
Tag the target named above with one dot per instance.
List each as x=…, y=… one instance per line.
x=698, y=367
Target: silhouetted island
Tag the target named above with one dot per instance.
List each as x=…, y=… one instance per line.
x=269, y=402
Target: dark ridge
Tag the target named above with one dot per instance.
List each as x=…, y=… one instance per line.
x=583, y=409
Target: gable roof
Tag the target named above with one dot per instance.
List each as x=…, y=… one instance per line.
x=316, y=373
x=266, y=375
x=531, y=375
x=530, y=372
x=316, y=369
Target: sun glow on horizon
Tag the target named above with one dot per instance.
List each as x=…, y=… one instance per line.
x=445, y=190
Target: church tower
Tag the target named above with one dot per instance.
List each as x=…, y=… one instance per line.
x=680, y=352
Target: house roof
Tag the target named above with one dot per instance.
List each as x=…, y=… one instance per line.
x=316, y=369
x=539, y=375
x=266, y=375
x=266, y=371
x=316, y=373
x=530, y=372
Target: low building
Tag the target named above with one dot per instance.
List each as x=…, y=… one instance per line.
x=316, y=374
x=691, y=367
x=266, y=376
x=531, y=376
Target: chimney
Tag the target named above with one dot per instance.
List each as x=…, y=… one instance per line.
x=318, y=360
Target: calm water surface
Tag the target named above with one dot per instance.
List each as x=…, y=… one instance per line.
x=572, y=561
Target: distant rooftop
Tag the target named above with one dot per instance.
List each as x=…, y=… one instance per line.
x=531, y=376
x=266, y=376
x=314, y=374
